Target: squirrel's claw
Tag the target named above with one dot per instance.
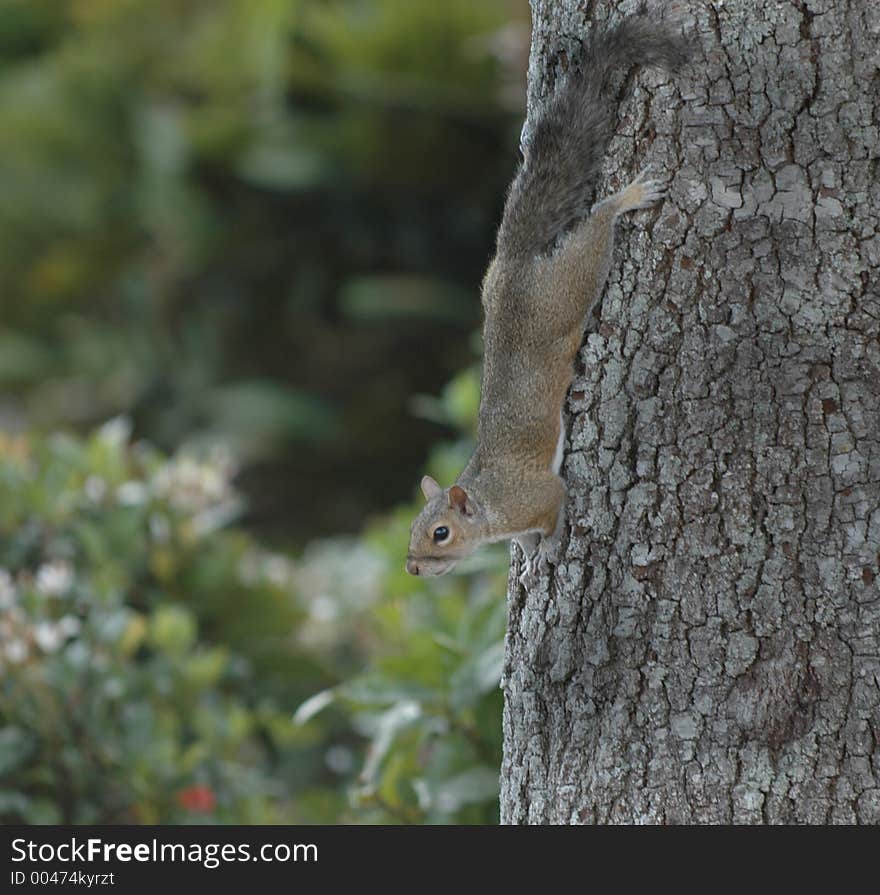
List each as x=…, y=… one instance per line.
x=536, y=562
x=644, y=191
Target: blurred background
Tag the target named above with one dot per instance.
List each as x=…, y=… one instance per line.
x=241, y=243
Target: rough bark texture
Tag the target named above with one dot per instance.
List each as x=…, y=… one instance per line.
x=707, y=647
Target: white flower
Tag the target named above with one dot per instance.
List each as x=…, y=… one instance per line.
x=131, y=494
x=95, y=488
x=48, y=637
x=54, y=578
x=191, y=484
x=257, y=567
x=117, y=431
x=69, y=625
x=279, y=570
x=324, y=608
x=160, y=528
x=113, y=688
x=16, y=651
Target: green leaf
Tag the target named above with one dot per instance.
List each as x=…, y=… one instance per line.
x=378, y=690
x=172, y=630
x=477, y=675
x=399, y=717
x=312, y=706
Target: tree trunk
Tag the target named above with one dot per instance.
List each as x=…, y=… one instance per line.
x=707, y=647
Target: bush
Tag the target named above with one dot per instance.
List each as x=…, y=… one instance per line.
x=128, y=694
x=429, y=702
x=152, y=655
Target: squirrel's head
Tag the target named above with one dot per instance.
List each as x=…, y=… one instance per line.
x=444, y=532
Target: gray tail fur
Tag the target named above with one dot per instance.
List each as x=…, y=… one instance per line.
x=564, y=151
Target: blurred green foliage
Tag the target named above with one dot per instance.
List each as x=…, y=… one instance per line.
x=126, y=679
x=256, y=220
x=254, y=229
x=152, y=656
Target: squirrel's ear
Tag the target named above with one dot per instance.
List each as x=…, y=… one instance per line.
x=429, y=487
x=458, y=499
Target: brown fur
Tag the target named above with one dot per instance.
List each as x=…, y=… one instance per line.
x=536, y=304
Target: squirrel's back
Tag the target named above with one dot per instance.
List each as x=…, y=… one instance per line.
x=564, y=149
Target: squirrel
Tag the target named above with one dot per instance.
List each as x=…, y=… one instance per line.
x=551, y=262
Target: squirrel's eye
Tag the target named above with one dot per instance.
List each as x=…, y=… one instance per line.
x=441, y=534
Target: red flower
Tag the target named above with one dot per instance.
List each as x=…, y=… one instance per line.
x=197, y=798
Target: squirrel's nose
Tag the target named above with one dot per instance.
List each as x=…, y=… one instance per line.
x=412, y=567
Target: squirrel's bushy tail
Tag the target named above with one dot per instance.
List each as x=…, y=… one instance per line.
x=563, y=152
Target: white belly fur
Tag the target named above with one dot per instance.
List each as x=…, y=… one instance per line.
x=560, y=447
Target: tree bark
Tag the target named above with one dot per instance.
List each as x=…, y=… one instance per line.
x=707, y=647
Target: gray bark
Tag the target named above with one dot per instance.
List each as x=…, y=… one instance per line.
x=707, y=647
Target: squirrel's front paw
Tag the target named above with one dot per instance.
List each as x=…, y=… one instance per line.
x=644, y=192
